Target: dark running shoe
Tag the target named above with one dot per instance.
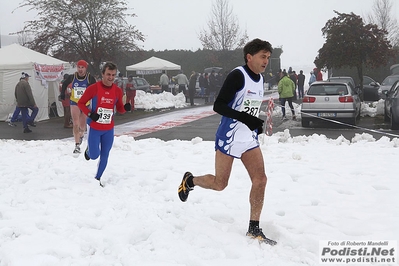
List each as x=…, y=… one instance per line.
x=99, y=180
x=87, y=157
x=184, y=189
x=256, y=233
x=27, y=130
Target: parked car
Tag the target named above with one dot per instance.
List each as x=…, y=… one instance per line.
x=371, y=90
x=141, y=84
x=331, y=100
x=391, y=106
x=343, y=79
x=387, y=84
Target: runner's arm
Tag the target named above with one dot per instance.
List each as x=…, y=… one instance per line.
x=233, y=83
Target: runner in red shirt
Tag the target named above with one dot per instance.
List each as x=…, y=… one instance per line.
x=104, y=96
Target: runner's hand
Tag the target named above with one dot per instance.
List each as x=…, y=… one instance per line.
x=127, y=107
x=251, y=121
x=94, y=116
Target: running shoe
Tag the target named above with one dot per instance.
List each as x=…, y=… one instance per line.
x=256, y=233
x=27, y=130
x=77, y=149
x=87, y=157
x=11, y=124
x=184, y=188
x=99, y=180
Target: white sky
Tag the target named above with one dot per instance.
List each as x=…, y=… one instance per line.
x=53, y=212
x=175, y=24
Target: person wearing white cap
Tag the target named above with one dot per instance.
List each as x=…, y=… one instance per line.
x=25, y=100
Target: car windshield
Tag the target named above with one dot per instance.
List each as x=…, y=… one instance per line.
x=389, y=81
x=323, y=89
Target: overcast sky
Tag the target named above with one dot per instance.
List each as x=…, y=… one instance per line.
x=294, y=25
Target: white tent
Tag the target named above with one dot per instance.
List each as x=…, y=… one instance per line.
x=15, y=59
x=153, y=65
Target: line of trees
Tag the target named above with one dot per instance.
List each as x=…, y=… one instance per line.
x=97, y=31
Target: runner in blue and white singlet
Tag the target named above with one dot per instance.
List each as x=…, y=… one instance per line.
x=238, y=102
x=234, y=137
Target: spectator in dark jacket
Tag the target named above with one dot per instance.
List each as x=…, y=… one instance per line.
x=191, y=87
x=301, y=83
x=25, y=100
x=212, y=86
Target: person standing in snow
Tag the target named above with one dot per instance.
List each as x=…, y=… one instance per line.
x=301, y=84
x=182, y=80
x=286, y=90
x=25, y=100
x=130, y=92
x=104, y=95
x=191, y=87
x=164, y=81
x=239, y=103
x=312, y=78
x=80, y=81
x=66, y=103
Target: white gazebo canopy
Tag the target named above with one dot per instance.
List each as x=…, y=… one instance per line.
x=153, y=65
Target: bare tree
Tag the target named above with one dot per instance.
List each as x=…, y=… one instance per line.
x=93, y=30
x=224, y=31
x=24, y=38
x=383, y=18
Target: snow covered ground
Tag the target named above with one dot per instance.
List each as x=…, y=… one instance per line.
x=53, y=212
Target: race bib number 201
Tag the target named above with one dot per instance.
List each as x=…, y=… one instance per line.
x=105, y=115
x=251, y=107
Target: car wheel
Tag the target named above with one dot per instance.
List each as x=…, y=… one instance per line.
x=305, y=122
x=394, y=126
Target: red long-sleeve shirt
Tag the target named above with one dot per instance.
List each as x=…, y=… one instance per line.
x=103, y=100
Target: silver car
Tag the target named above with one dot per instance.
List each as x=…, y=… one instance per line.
x=331, y=100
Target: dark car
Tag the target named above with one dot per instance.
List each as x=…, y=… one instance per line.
x=391, y=106
x=330, y=100
x=371, y=90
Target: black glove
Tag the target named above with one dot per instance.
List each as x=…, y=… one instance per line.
x=127, y=107
x=94, y=116
x=251, y=121
x=62, y=96
x=260, y=130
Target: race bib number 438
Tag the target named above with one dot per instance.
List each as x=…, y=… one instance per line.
x=105, y=115
x=251, y=106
